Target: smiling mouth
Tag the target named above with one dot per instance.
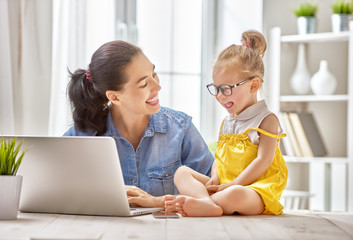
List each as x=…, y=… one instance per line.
x=153, y=101
x=228, y=105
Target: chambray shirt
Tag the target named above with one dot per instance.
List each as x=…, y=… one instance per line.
x=170, y=141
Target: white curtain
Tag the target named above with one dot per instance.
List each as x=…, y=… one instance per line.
x=25, y=44
x=7, y=117
x=39, y=41
x=79, y=28
x=35, y=65
x=69, y=44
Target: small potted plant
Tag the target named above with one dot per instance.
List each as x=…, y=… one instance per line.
x=306, y=17
x=341, y=12
x=10, y=183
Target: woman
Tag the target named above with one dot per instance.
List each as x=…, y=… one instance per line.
x=117, y=96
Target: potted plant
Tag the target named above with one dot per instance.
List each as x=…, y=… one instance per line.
x=341, y=11
x=306, y=17
x=10, y=183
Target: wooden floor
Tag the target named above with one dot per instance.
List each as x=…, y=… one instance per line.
x=290, y=225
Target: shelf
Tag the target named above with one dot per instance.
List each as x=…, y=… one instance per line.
x=340, y=160
x=316, y=37
x=314, y=98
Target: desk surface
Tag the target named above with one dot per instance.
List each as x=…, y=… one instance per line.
x=290, y=225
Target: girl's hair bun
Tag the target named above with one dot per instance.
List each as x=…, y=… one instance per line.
x=254, y=40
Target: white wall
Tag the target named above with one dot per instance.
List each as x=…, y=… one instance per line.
x=279, y=13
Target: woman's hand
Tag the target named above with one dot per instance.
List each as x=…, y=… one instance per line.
x=139, y=198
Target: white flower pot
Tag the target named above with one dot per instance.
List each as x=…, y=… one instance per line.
x=300, y=79
x=10, y=191
x=323, y=82
x=306, y=25
x=340, y=22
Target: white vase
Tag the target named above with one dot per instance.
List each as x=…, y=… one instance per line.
x=10, y=191
x=323, y=82
x=300, y=80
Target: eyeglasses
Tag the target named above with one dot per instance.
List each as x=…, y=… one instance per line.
x=225, y=88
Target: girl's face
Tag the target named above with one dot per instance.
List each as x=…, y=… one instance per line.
x=140, y=93
x=242, y=96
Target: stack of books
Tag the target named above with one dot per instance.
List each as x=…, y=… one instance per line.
x=303, y=136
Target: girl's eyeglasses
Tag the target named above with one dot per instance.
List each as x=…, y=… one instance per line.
x=225, y=88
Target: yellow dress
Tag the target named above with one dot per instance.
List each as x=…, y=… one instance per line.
x=235, y=152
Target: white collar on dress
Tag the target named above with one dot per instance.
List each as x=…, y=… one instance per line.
x=249, y=112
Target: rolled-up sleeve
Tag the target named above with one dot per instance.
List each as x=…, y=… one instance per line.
x=195, y=153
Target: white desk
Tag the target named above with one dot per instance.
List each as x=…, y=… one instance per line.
x=290, y=225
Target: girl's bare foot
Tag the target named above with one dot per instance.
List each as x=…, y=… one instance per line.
x=169, y=203
x=192, y=207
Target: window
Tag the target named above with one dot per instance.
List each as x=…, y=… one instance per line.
x=182, y=38
x=169, y=32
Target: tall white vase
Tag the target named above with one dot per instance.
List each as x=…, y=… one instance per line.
x=323, y=82
x=300, y=80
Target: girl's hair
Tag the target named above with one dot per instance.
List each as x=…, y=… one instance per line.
x=87, y=88
x=246, y=57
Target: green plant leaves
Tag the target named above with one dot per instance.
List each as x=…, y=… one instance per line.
x=9, y=162
x=342, y=7
x=306, y=10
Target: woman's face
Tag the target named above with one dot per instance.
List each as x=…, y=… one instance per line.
x=140, y=93
x=241, y=97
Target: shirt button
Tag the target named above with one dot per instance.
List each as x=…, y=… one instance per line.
x=166, y=174
x=139, y=149
x=133, y=180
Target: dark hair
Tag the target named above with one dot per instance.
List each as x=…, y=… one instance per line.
x=87, y=94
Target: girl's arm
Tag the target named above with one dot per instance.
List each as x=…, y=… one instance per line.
x=214, y=180
x=265, y=155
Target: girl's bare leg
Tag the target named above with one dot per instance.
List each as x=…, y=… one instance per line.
x=195, y=200
x=239, y=199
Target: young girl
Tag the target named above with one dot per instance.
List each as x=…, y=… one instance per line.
x=117, y=96
x=249, y=173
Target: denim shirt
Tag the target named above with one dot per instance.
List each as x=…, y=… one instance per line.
x=170, y=140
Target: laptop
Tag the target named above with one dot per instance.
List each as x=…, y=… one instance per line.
x=74, y=175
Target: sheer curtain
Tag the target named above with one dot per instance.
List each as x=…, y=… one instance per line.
x=25, y=43
x=7, y=117
x=39, y=42
x=79, y=28
x=68, y=52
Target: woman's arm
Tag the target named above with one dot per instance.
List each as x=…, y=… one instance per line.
x=214, y=180
x=195, y=153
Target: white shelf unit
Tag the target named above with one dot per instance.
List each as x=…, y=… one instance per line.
x=276, y=99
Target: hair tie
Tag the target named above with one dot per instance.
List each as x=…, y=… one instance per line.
x=88, y=76
x=246, y=44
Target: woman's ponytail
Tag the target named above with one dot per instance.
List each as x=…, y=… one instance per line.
x=89, y=107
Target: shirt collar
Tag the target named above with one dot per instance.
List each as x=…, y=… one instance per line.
x=250, y=112
x=157, y=123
